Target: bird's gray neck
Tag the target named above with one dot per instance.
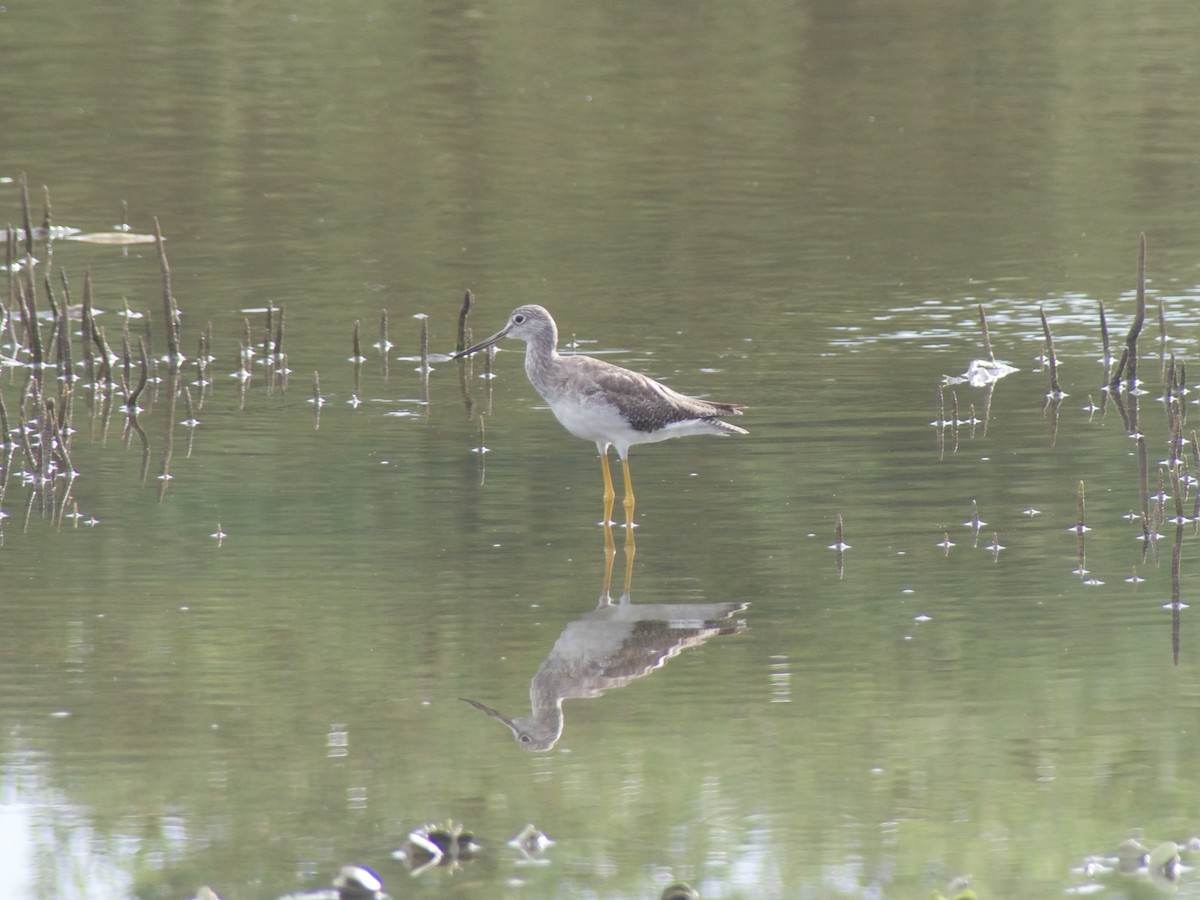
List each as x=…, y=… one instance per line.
x=539, y=363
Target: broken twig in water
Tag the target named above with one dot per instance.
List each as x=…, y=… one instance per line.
x=62, y=349
x=1107, y=351
x=356, y=361
x=839, y=546
x=86, y=325
x=26, y=218
x=987, y=339
x=170, y=309
x=1140, y=315
x=464, y=336
x=1129, y=357
x=131, y=403
x=385, y=345
x=1196, y=467
x=1051, y=361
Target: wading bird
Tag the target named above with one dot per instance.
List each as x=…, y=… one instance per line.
x=610, y=405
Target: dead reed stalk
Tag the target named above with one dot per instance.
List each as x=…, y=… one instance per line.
x=464, y=333
x=1051, y=361
x=987, y=340
x=170, y=308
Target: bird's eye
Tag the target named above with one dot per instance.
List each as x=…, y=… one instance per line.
x=526, y=739
x=518, y=318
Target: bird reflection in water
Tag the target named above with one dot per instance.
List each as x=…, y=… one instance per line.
x=608, y=648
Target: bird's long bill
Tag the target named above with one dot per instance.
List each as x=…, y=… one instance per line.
x=482, y=345
x=491, y=712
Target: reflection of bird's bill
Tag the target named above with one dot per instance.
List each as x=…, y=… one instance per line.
x=482, y=345
x=495, y=714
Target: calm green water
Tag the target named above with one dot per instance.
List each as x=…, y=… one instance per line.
x=798, y=207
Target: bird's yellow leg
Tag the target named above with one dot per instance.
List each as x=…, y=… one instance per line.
x=609, y=494
x=628, y=494
x=628, y=504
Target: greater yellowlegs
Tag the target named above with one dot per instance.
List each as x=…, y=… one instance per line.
x=608, y=648
x=598, y=401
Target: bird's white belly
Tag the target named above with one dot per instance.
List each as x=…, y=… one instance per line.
x=597, y=421
x=594, y=419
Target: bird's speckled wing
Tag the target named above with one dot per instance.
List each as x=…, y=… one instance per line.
x=645, y=403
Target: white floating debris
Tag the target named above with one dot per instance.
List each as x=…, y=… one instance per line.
x=981, y=373
x=357, y=881
x=531, y=840
x=113, y=237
